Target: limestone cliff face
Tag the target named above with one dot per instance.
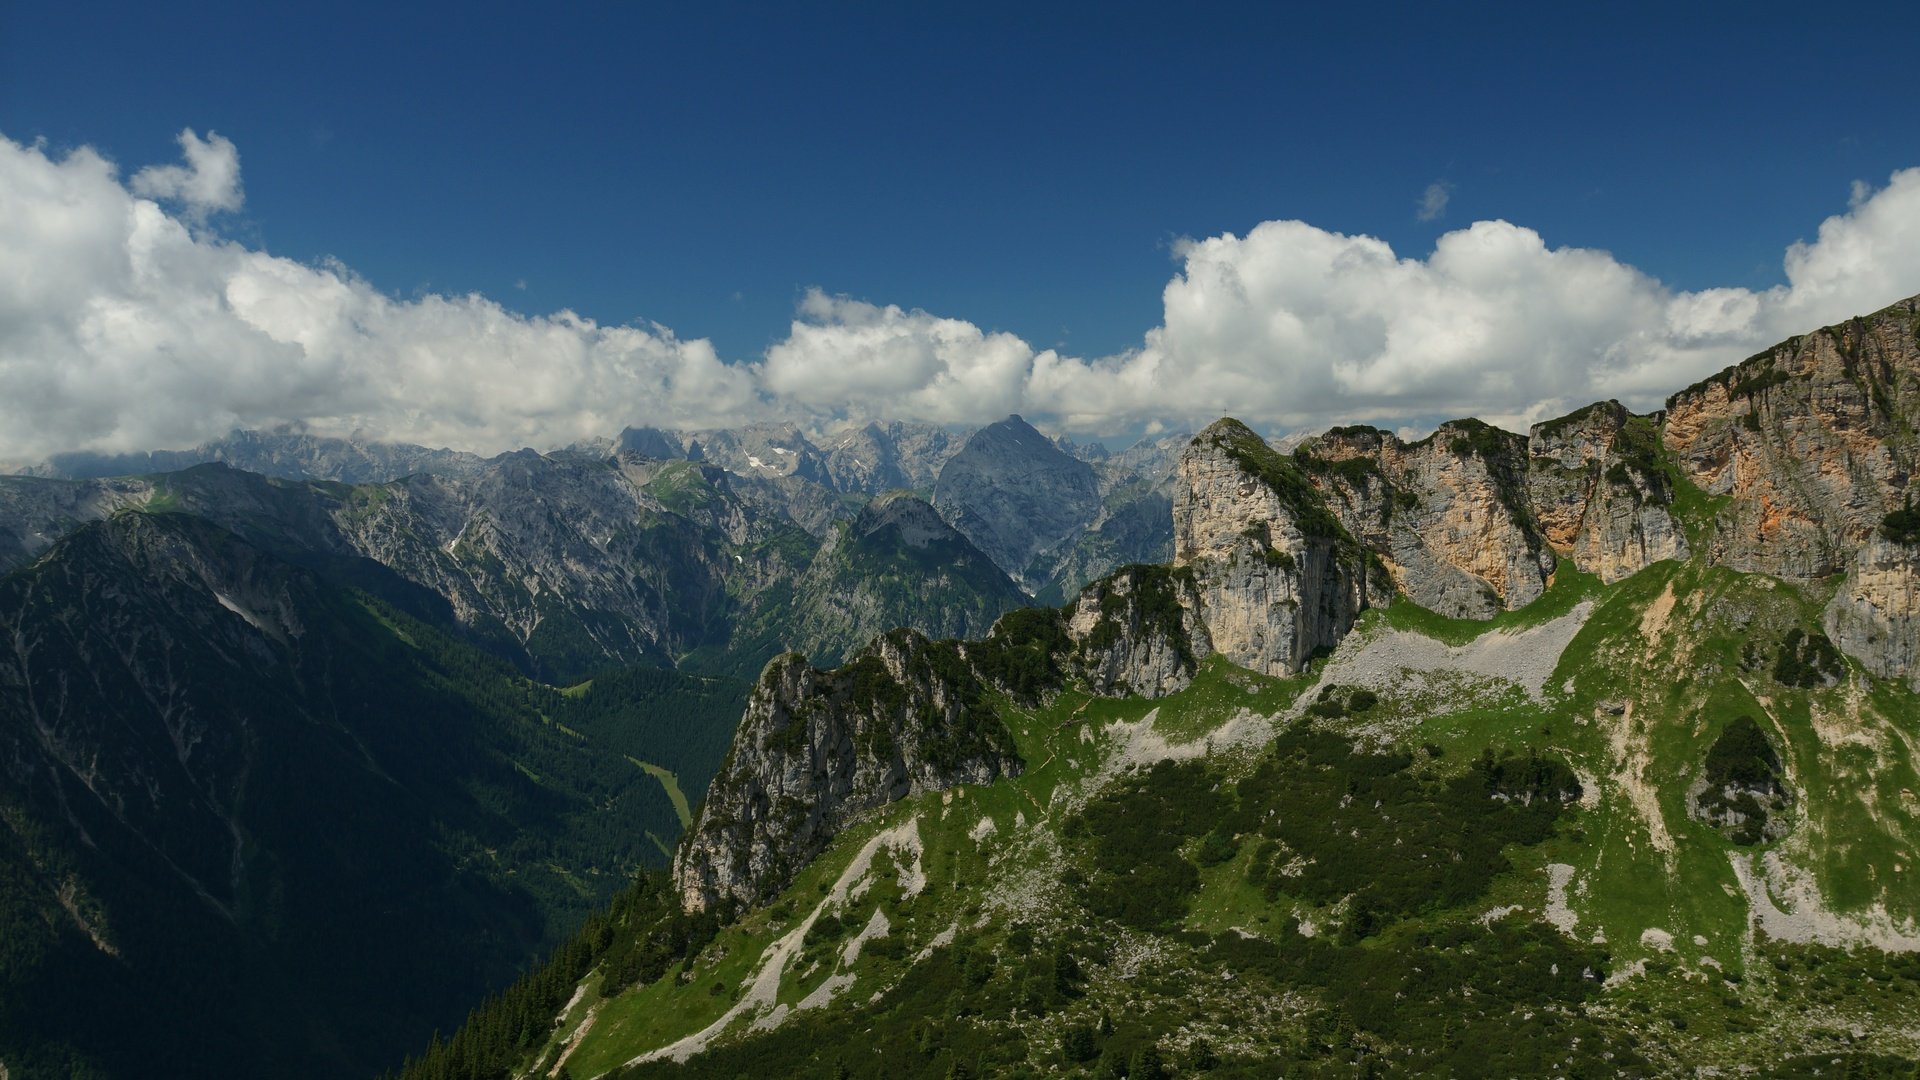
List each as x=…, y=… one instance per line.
x=1448, y=514
x=1276, y=575
x=1814, y=443
x=816, y=749
x=1875, y=617
x=1812, y=439
x=1597, y=491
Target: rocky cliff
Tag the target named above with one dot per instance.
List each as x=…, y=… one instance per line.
x=1812, y=441
x=1599, y=492
x=1278, y=577
x=816, y=749
x=1138, y=631
x=1813, y=445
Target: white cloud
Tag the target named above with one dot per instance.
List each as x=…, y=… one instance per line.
x=123, y=328
x=120, y=329
x=209, y=181
x=846, y=358
x=1433, y=201
x=1293, y=326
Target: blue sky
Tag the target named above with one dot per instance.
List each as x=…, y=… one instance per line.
x=704, y=167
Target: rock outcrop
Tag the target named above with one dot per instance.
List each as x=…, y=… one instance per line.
x=1813, y=440
x=1277, y=577
x=1448, y=514
x=1139, y=631
x=816, y=749
x=1875, y=617
x=1599, y=493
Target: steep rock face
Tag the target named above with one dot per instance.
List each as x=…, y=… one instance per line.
x=1139, y=631
x=898, y=563
x=1448, y=514
x=1598, y=493
x=1875, y=617
x=1277, y=577
x=1015, y=494
x=816, y=749
x=1812, y=439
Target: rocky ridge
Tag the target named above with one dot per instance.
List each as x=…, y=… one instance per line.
x=1812, y=446
x=815, y=749
x=1263, y=574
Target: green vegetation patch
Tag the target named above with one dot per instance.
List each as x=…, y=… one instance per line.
x=1134, y=831
x=1332, y=823
x=1744, y=783
x=1903, y=525
x=1807, y=660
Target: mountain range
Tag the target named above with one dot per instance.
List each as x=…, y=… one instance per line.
x=1586, y=751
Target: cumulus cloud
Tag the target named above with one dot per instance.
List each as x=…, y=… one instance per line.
x=209, y=181
x=846, y=358
x=1293, y=326
x=126, y=324
x=123, y=329
x=1433, y=201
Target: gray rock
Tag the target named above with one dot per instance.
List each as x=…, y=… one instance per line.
x=816, y=749
x=1016, y=495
